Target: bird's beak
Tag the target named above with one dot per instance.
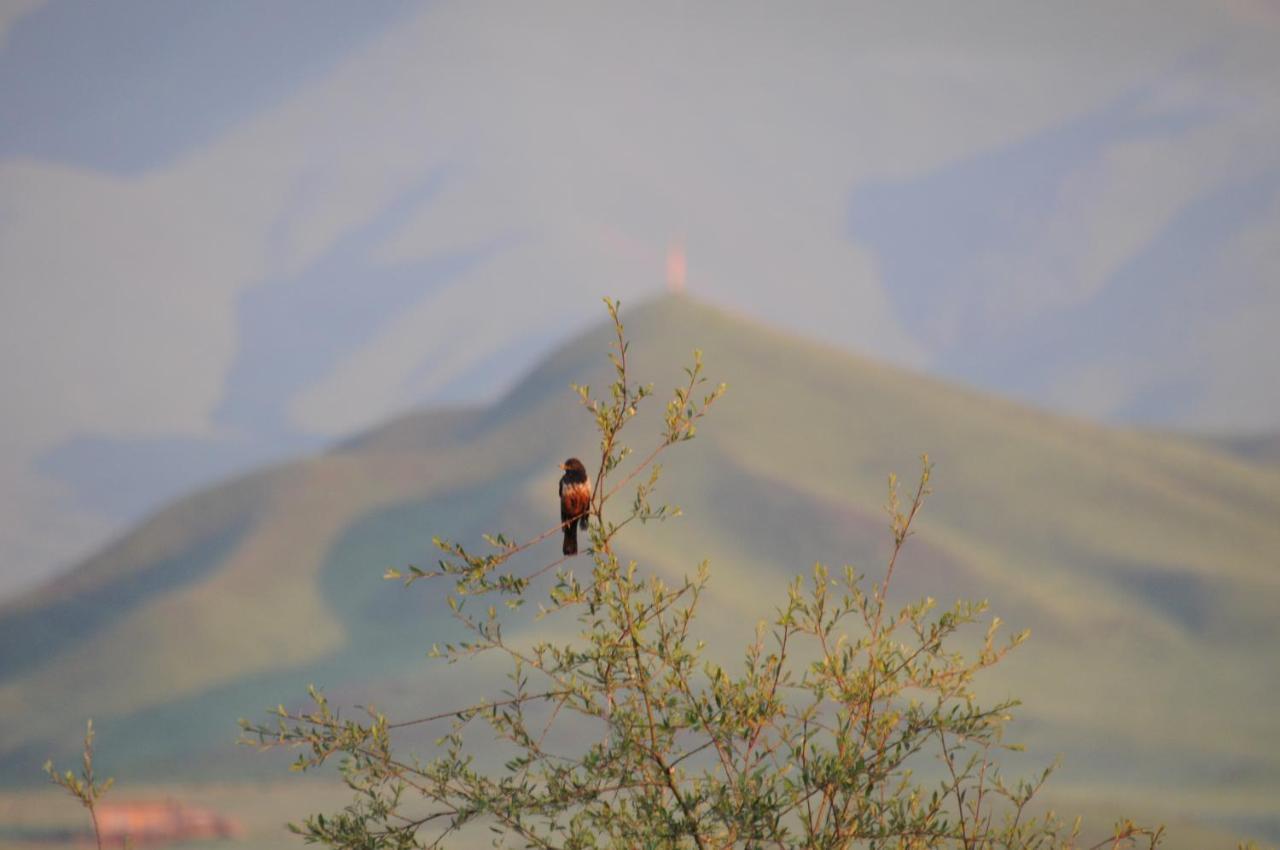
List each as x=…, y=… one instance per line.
x=561, y=466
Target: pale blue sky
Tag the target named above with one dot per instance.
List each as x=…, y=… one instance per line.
x=132, y=85
x=235, y=231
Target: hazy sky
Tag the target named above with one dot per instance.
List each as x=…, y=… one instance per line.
x=236, y=230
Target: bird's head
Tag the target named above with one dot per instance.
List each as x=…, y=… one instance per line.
x=574, y=467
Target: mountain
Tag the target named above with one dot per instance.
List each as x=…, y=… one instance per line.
x=1257, y=448
x=1146, y=565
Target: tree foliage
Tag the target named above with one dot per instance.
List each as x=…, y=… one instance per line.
x=848, y=723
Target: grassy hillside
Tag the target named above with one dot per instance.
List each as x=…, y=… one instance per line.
x=1147, y=566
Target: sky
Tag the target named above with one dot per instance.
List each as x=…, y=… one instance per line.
x=234, y=232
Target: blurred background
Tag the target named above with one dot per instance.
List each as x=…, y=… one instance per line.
x=235, y=234
x=233, y=231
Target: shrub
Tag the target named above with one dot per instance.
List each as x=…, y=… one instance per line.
x=630, y=737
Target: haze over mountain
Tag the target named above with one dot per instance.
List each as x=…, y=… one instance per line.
x=234, y=234
x=1145, y=564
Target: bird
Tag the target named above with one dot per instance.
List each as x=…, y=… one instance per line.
x=575, y=502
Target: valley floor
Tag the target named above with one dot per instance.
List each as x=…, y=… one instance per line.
x=34, y=819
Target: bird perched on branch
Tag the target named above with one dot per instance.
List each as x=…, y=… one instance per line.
x=575, y=502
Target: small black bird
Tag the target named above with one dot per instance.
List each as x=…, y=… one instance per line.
x=575, y=501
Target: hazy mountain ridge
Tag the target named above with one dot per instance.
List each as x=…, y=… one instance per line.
x=1260, y=448
x=1146, y=564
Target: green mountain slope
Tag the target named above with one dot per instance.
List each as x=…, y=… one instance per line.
x=1147, y=566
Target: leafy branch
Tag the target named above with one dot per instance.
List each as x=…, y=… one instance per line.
x=85, y=788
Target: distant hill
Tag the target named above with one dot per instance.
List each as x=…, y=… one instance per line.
x=1147, y=566
x=1258, y=448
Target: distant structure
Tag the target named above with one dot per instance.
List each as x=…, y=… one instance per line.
x=676, y=268
x=160, y=822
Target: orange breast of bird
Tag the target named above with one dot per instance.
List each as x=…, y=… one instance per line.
x=576, y=499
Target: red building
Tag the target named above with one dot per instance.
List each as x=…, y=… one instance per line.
x=160, y=821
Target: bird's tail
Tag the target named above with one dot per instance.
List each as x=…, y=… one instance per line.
x=571, y=538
